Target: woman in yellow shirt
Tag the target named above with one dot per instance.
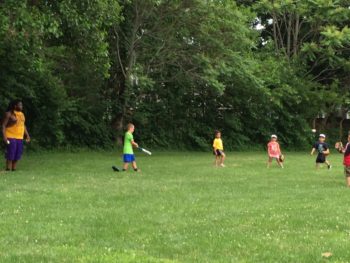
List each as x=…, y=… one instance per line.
x=219, y=150
x=14, y=131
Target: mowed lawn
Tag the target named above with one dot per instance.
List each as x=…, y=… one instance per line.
x=71, y=207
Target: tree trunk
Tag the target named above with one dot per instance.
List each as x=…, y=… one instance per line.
x=289, y=34
x=274, y=22
x=296, y=35
x=126, y=60
x=118, y=120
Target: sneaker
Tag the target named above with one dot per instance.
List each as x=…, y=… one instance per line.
x=222, y=165
x=115, y=169
x=329, y=167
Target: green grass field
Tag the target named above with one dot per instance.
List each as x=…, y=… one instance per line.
x=71, y=207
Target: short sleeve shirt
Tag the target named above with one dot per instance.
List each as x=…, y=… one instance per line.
x=217, y=144
x=274, y=149
x=321, y=147
x=128, y=138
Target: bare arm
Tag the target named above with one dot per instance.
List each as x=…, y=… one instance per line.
x=342, y=149
x=26, y=133
x=214, y=148
x=312, y=151
x=4, y=125
x=134, y=144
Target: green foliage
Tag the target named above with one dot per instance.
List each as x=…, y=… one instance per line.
x=53, y=54
x=178, y=69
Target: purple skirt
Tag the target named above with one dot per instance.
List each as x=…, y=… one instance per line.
x=14, y=150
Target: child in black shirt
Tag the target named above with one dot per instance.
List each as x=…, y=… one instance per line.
x=322, y=149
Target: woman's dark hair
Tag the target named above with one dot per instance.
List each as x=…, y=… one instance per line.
x=12, y=105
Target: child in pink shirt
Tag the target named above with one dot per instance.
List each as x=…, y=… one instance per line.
x=274, y=151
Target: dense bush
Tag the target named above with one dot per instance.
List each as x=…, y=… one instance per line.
x=178, y=69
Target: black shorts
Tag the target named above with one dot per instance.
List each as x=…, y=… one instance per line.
x=321, y=158
x=218, y=152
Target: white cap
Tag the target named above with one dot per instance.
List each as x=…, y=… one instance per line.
x=274, y=136
x=322, y=135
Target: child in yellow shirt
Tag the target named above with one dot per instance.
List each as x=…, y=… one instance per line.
x=218, y=148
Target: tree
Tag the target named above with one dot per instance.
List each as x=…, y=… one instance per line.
x=314, y=37
x=54, y=55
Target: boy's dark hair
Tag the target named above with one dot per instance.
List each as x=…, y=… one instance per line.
x=12, y=105
x=216, y=132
